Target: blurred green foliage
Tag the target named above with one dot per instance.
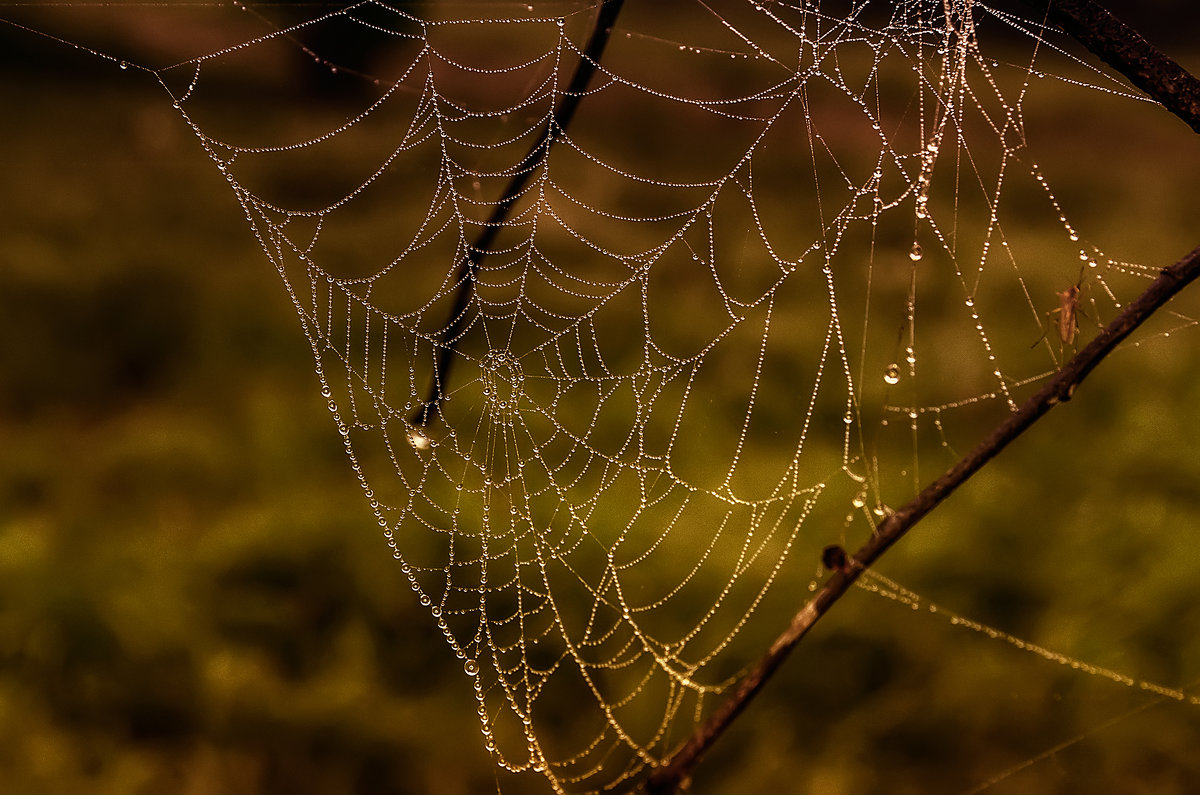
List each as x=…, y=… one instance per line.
x=193, y=597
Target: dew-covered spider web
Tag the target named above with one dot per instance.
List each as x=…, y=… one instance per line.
x=611, y=382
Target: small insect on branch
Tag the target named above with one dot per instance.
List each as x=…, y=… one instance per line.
x=1068, y=311
x=1068, y=314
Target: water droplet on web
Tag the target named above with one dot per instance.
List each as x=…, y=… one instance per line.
x=892, y=374
x=915, y=253
x=471, y=668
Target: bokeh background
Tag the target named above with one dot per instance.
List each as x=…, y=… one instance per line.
x=194, y=598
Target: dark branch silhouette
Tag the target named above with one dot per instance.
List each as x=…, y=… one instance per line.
x=525, y=169
x=1178, y=91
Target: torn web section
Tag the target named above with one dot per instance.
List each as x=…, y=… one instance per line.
x=955, y=217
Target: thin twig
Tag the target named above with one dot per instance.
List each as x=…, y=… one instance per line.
x=525, y=169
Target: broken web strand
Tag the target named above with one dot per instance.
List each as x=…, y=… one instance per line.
x=875, y=583
x=1051, y=752
x=881, y=586
x=501, y=480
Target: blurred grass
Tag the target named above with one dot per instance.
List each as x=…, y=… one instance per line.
x=193, y=600
x=193, y=597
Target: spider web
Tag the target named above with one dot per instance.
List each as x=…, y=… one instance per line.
x=606, y=446
x=691, y=328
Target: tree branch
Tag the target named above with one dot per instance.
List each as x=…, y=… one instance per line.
x=1059, y=389
x=526, y=168
x=1178, y=91
x=1124, y=49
